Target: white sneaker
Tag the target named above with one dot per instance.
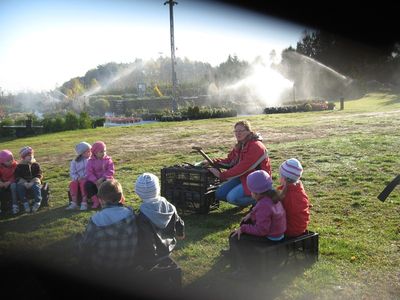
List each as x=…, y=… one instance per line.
x=72, y=206
x=83, y=206
x=15, y=209
x=27, y=208
x=35, y=207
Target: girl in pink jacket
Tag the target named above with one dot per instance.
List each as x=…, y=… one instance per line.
x=99, y=168
x=264, y=224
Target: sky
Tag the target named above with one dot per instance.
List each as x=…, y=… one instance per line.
x=44, y=43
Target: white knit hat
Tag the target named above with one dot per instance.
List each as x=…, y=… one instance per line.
x=291, y=169
x=82, y=147
x=147, y=186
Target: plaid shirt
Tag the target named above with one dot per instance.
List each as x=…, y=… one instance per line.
x=110, y=247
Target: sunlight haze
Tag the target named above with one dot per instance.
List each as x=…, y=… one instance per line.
x=45, y=43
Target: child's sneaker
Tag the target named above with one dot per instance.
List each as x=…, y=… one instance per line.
x=27, y=208
x=83, y=206
x=35, y=207
x=72, y=206
x=15, y=209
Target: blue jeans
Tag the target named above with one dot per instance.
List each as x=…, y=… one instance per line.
x=232, y=191
x=37, y=193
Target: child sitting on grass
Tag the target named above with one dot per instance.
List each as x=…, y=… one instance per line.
x=158, y=222
x=77, y=173
x=28, y=175
x=294, y=198
x=7, y=179
x=110, y=240
x=100, y=168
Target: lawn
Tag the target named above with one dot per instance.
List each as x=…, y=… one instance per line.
x=348, y=157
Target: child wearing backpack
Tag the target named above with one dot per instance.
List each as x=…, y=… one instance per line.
x=158, y=222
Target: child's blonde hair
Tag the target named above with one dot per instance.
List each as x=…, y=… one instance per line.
x=110, y=191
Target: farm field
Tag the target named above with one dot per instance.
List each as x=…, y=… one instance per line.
x=348, y=157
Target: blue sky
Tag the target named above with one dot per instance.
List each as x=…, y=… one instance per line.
x=44, y=43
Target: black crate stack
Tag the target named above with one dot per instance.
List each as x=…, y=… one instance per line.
x=191, y=189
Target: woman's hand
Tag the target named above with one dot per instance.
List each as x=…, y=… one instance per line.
x=215, y=172
x=245, y=218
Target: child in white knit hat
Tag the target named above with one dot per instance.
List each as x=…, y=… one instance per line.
x=294, y=198
x=77, y=172
x=158, y=222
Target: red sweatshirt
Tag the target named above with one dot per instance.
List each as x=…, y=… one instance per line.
x=297, y=207
x=7, y=173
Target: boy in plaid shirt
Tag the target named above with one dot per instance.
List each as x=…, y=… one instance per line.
x=110, y=240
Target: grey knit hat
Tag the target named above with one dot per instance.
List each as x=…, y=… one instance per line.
x=82, y=147
x=292, y=169
x=147, y=186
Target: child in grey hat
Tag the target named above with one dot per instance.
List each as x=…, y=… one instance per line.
x=158, y=222
x=77, y=172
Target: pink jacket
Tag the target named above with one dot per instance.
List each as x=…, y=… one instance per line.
x=99, y=168
x=7, y=173
x=266, y=219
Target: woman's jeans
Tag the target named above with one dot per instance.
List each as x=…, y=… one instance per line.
x=36, y=189
x=232, y=191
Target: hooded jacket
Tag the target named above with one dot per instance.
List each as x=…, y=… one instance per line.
x=158, y=224
x=244, y=159
x=110, y=239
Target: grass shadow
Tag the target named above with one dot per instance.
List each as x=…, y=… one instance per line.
x=218, y=282
x=29, y=222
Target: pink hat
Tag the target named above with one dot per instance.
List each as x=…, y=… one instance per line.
x=25, y=151
x=98, y=146
x=259, y=182
x=5, y=156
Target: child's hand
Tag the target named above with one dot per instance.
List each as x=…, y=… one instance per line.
x=6, y=184
x=245, y=218
x=237, y=232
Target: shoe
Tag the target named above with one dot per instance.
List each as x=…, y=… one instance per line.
x=27, y=208
x=35, y=207
x=72, y=206
x=83, y=206
x=15, y=209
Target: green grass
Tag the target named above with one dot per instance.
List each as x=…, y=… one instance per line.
x=348, y=157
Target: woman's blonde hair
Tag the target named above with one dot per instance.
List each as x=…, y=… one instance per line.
x=245, y=124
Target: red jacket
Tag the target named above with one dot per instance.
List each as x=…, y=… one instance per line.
x=7, y=173
x=297, y=207
x=241, y=162
x=267, y=219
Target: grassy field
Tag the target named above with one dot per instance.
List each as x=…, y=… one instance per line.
x=348, y=157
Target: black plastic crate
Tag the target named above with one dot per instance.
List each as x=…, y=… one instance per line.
x=189, y=188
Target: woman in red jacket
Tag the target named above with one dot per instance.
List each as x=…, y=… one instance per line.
x=294, y=198
x=248, y=155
